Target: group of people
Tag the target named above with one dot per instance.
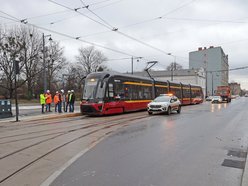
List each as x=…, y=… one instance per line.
x=60, y=99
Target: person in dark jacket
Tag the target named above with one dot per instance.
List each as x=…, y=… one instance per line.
x=72, y=101
x=67, y=97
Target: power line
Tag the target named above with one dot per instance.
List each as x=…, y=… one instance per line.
x=87, y=7
x=68, y=36
x=76, y=10
x=100, y=2
x=113, y=29
x=13, y=18
x=231, y=69
x=178, y=8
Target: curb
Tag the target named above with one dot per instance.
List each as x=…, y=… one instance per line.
x=244, y=181
x=41, y=117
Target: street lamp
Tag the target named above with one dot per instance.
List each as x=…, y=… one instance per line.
x=173, y=65
x=213, y=80
x=44, y=61
x=132, y=62
x=17, y=71
x=63, y=80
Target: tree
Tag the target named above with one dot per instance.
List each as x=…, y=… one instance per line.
x=32, y=63
x=55, y=63
x=174, y=66
x=10, y=49
x=25, y=43
x=90, y=59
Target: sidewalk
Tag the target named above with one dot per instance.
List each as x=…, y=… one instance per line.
x=32, y=111
x=39, y=116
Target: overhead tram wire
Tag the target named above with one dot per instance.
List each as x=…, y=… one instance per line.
x=114, y=29
x=64, y=11
x=160, y=17
x=61, y=20
x=8, y=18
x=76, y=10
x=138, y=23
x=68, y=36
x=130, y=25
x=100, y=2
x=87, y=7
x=13, y=18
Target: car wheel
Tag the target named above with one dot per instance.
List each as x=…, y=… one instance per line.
x=150, y=113
x=168, y=111
x=179, y=109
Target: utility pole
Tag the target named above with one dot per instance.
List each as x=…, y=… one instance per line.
x=44, y=61
x=132, y=65
x=212, y=83
x=137, y=58
x=17, y=71
x=173, y=65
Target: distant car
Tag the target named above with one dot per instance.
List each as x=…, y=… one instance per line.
x=216, y=99
x=246, y=95
x=165, y=103
x=209, y=98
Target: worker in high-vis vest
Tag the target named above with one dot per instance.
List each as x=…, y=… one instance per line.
x=42, y=102
x=72, y=100
x=48, y=101
x=57, y=102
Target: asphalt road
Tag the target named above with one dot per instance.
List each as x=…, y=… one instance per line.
x=202, y=146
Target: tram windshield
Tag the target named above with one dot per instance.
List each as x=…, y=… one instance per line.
x=93, y=89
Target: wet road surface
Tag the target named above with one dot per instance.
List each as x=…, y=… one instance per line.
x=199, y=147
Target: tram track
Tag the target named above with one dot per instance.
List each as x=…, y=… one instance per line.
x=61, y=127
x=122, y=122
x=59, y=134
x=21, y=126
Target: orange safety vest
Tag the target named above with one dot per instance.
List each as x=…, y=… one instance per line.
x=56, y=99
x=48, y=98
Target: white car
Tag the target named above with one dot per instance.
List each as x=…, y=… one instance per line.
x=216, y=99
x=164, y=103
x=209, y=98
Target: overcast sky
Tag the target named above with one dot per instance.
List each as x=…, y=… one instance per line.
x=147, y=28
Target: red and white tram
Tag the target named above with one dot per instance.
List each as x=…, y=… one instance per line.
x=113, y=93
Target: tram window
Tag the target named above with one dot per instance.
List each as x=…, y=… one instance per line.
x=186, y=93
x=119, y=90
x=176, y=92
x=111, y=90
x=160, y=90
x=148, y=93
x=100, y=90
x=196, y=93
x=140, y=94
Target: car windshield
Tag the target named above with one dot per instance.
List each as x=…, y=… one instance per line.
x=162, y=99
x=216, y=97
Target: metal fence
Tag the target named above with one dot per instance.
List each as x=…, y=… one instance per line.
x=5, y=108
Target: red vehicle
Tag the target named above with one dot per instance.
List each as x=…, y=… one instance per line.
x=112, y=93
x=224, y=92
